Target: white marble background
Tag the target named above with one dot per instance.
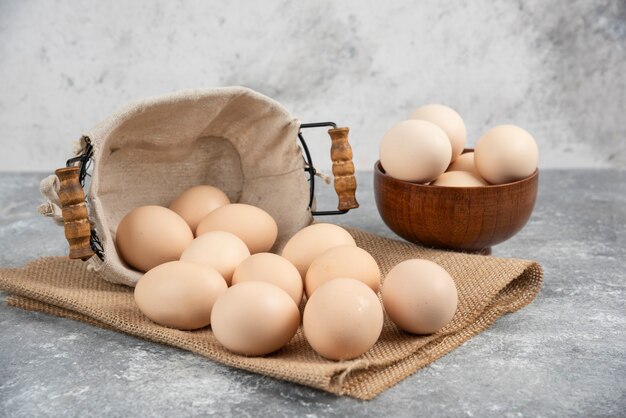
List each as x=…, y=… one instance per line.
x=557, y=68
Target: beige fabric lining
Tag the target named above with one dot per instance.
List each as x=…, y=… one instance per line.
x=232, y=138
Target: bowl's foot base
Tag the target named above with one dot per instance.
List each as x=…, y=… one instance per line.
x=484, y=251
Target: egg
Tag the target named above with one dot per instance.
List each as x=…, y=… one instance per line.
x=151, y=235
x=448, y=120
x=270, y=268
x=179, y=294
x=465, y=162
x=416, y=151
x=254, y=318
x=506, y=154
x=343, y=319
x=197, y=202
x=253, y=225
x=419, y=296
x=310, y=242
x=459, y=179
x=220, y=250
x=345, y=261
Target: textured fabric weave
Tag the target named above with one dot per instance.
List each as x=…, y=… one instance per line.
x=488, y=288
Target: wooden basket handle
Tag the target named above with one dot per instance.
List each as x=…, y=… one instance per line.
x=75, y=214
x=343, y=169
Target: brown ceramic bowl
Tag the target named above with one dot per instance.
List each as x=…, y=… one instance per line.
x=468, y=219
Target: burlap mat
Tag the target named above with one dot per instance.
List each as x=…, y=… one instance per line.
x=488, y=288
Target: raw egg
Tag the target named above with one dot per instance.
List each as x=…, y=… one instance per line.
x=254, y=318
x=342, y=319
x=270, y=268
x=179, y=294
x=505, y=154
x=345, y=261
x=459, y=179
x=419, y=296
x=310, y=242
x=197, y=202
x=151, y=235
x=464, y=162
x=415, y=150
x=448, y=120
x=253, y=225
x=218, y=249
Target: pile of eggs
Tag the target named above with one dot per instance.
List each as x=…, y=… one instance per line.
x=428, y=148
x=207, y=263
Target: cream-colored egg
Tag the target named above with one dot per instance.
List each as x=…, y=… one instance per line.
x=345, y=261
x=505, y=154
x=254, y=318
x=448, y=120
x=459, y=179
x=220, y=250
x=197, y=202
x=270, y=268
x=151, y=235
x=419, y=296
x=465, y=162
x=310, y=242
x=415, y=150
x=343, y=319
x=253, y=225
x=179, y=294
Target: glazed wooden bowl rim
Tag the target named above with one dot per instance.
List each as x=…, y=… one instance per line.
x=378, y=168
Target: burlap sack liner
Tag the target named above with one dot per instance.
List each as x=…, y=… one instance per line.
x=488, y=288
x=232, y=137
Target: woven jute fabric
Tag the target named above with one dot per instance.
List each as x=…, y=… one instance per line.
x=488, y=287
x=232, y=138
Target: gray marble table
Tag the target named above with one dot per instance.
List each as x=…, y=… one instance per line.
x=564, y=355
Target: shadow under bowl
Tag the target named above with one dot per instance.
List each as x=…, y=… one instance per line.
x=470, y=219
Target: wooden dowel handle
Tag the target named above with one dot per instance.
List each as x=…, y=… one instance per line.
x=343, y=168
x=75, y=214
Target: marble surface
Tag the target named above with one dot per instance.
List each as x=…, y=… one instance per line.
x=555, y=68
x=563, y=355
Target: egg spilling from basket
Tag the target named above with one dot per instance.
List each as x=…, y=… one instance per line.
x=199, y=201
